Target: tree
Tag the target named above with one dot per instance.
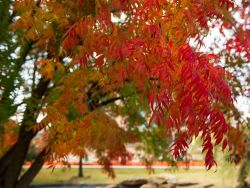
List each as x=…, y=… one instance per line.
x=94, y=60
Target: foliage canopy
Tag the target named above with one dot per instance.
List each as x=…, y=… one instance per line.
x=96, y=60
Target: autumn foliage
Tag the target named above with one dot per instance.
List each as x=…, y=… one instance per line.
x=111, y=43
x=92, y=63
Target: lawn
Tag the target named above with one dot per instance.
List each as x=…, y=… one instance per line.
x=223, y=177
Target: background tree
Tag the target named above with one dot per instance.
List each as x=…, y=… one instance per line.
x=90, y=64
x=10, y=67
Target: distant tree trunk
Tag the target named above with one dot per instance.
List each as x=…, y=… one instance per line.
x=243, y=172
x=80, y=169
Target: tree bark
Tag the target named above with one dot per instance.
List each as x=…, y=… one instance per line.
x=13, y=170
x=30, y=174
x=5, y=160
x=80, y=170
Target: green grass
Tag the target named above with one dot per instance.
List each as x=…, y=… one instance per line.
x=91, y=175
x=222, y=178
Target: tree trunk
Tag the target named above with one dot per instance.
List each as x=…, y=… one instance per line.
x=30, y=174
x=243, y=172
x=11, y=174
x=5, y=160
x=80, y=170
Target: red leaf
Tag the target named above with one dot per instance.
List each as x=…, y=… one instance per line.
x=152, y=118
x=212, y=56
x=218, y=139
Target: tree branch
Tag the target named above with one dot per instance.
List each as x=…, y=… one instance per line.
x=109, y=101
